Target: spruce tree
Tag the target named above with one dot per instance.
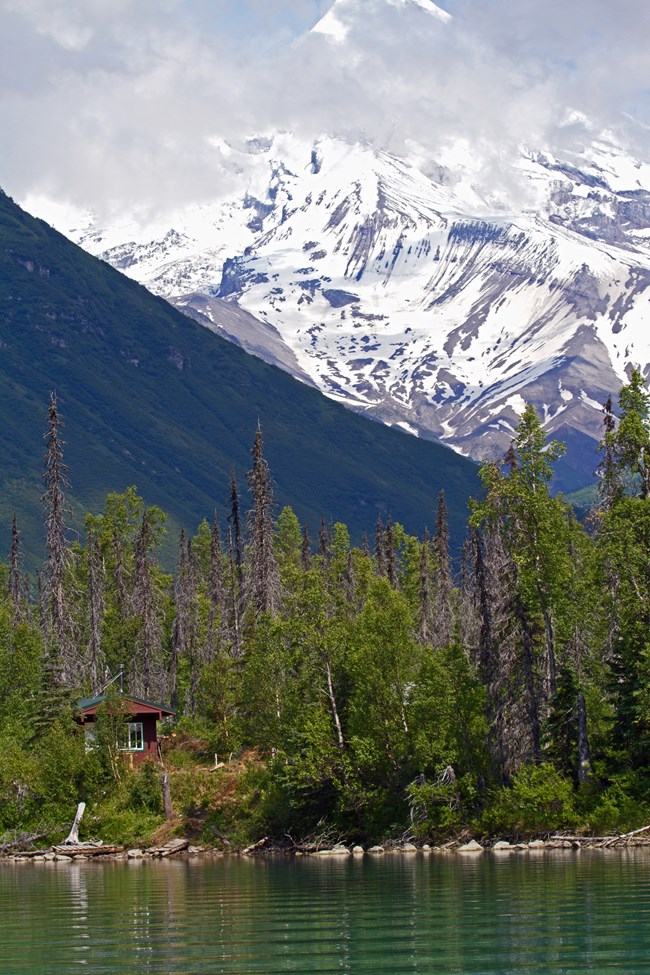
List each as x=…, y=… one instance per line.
x=305, y=551
x=18, y=585
x=60, y=648
x=234, y=520
x=390, y=554
x=425, y=623
x=380, y=555
x=443, y=609
x=263, y=577
x=217, y=595
x=323, y=542
x=610, y=486
x=147, y=674
x=95, y=589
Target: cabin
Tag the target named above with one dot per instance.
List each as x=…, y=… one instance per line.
x=140, y=739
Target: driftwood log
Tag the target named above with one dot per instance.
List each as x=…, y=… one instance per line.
x=72, y=838
x=21, y=840
x=602, y=841
x=87, y=850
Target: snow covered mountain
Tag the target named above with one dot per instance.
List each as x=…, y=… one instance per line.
x=405, y=287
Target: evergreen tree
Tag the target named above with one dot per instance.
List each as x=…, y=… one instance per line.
x=623, y=544
x=18, y=582
x=390, y=555
x=305, y=551
x=234, y=520
x=531, y=530
x=610, y=487
x=147, y=672
x=262, y=568
x=56, y=545
x=95, y=599
x=443, y=609
x=323, y=544
x=217, y=594
x=425, y=615
x=380, y=555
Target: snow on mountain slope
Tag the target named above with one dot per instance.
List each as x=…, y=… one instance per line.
x=410, y=299
x=431, y=291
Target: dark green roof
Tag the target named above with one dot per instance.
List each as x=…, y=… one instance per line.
x=91, y=702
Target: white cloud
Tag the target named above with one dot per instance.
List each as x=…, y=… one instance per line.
x=110, y=103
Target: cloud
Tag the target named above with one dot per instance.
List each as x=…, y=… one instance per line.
x=117, y=103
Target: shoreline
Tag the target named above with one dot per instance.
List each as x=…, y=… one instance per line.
x=182, y=849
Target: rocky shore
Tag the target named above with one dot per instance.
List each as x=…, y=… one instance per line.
x=182, y=847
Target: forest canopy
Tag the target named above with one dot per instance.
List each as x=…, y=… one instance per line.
x=375, y=691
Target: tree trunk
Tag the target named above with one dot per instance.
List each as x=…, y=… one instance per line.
x=529, y=677
x=167, y=797
x=73, y=836
x=584, y=756
x=550, y=648
x=332, y=698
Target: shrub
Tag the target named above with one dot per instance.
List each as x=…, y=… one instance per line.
x=622, y=807
x=539, y=801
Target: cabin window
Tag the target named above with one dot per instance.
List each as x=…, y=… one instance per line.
x=134, y=738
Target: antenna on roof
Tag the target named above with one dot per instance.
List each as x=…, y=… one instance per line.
x=119, y=676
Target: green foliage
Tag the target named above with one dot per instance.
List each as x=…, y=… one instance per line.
x=541, y=800
x=440, y=808
x=375, y=696
x=624, y=805
x=145, y=789
x=44, y=783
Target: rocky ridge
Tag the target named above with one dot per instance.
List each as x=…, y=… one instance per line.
x=407, y=289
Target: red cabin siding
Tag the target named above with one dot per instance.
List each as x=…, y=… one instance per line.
x=141, y=712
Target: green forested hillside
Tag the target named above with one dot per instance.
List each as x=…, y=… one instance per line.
x=348, y=691
x=153, y=399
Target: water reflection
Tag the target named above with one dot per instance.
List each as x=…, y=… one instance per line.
x=443, y=915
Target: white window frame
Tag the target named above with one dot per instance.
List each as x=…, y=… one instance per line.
x=134, y=737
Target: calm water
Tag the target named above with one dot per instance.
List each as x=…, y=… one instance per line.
x=559, y=913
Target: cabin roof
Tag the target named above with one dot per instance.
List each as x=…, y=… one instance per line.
x=89, y=705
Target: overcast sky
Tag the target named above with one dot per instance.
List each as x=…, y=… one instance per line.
x=106, y=102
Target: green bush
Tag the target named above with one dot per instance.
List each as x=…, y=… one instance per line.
x=145, y=788
x=621, y=807
x=540, y=800
x=441, y=809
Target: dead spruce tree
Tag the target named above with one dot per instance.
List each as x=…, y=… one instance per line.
x=95, y=571
x=425, y=608
x=305, y=551
x=263, y=576
x=443, y=604
x=147, y=673
x=234, y=520
x=217, y=593
x=59, y=645
x=185, y=642
x=18, y=585
x=390, y=554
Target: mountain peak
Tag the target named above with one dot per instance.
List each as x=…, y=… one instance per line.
x=336, y=22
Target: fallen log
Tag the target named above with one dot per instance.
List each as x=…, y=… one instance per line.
x=256, y=846
x=624, y=837
x=87, y=850
x=21, y=841
x=583, y=839
x=170, y=848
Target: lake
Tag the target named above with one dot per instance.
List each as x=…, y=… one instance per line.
x=553, y=913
